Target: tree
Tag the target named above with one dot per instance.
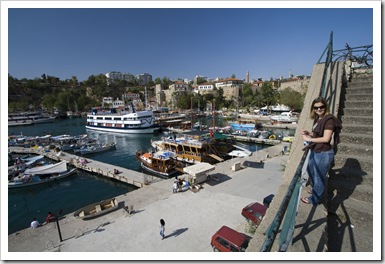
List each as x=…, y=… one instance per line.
x=166, y=82
x=201, y=80
x=292, y=99
x=269, y=95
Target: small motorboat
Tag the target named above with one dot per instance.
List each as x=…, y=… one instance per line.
x=41, y=175
x=94, y=148
x=97, y=209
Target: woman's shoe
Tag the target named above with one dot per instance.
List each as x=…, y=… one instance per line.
x=305, y=200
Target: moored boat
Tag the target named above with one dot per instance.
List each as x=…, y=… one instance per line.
x=97, y=209
x=41, y=175
x=284, y=117
x=29, y=118
x=197, y=146
x=94, y=148
x=161, y=163
x=133, y=122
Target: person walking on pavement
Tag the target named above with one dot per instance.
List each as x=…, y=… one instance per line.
x=162, y=228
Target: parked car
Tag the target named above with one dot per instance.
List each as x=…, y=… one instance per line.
x=229, y=240
x=254, y=212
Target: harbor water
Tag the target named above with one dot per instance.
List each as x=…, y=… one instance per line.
x=81, y=189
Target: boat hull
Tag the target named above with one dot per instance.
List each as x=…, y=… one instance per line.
x=158, y=173
x=97, y=209
x=12, y=185
x=145, y=130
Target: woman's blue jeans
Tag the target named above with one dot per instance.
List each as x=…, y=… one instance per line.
x=318, y=167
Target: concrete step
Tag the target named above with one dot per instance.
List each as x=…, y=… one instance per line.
x=351, y=176
x=357, y=120
x=357, y=128
x=341, y=190
x=359, y=163
x=360, y=97
x=362, y=78
x=357, y=112
x=358, y=104
x=359, y=90
x=350, y=227
x=363, y=139
x=355, y=149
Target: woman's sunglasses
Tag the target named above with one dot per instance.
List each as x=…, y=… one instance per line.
x=318, y=107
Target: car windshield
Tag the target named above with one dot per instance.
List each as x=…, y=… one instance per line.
x=258, y=215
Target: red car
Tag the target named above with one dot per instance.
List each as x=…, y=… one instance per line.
x=254, y=212
x=229, y=240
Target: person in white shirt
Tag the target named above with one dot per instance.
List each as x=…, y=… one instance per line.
x=35, y=223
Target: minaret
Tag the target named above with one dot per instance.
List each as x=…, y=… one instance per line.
x=247, y=77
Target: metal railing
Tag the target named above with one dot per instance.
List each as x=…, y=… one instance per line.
x=288, y=208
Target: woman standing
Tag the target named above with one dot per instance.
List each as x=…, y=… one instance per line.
x=321, y=152
x=162, y=228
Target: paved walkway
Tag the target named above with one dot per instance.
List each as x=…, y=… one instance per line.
x=191, y=218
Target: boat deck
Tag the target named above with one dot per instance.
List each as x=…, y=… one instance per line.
x=135, y=178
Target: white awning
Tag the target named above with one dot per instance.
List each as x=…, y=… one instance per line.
x=199, y=169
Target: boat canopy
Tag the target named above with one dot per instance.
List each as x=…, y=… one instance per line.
x=199, y=169
x=48, y=169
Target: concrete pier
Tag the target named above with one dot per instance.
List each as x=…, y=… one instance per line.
x=135, y=178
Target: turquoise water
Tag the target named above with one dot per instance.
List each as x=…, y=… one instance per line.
x=83, y=188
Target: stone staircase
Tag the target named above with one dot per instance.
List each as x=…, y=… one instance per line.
x=350, y=188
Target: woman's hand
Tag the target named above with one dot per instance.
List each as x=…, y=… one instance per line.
x=305, y=132
x=306, y=138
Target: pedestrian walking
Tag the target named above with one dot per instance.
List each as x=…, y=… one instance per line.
x=162, y=228
x=321, y=156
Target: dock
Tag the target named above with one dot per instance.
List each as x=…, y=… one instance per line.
x=132, y=177
x=262, y=141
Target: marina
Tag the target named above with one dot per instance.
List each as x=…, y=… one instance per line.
x=86, y=187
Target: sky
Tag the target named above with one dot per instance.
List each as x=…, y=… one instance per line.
x=179, y=42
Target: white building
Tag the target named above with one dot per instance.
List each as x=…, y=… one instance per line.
x=114, y=76
x=205, y=88
x=144, y=78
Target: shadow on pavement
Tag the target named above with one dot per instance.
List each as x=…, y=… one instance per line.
x=177, y=232
x=217, y=178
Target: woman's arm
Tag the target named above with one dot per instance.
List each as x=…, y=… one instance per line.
x=325, y=139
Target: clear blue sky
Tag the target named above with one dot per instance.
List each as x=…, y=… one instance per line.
x=179, y=43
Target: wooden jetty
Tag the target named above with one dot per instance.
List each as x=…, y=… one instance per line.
x=125, y=175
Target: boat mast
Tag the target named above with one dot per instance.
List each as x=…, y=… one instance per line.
x=214, y=114
x=145, y=97
x=191, y=114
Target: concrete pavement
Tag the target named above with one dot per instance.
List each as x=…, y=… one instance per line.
x=191, y=218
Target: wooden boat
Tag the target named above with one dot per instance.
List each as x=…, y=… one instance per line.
x=43, y=174
x=161, y=163
x=97, y=209
x=197, y=147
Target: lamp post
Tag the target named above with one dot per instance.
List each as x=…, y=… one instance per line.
x=58, y=228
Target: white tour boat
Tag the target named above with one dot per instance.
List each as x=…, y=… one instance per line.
x=133, y=122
